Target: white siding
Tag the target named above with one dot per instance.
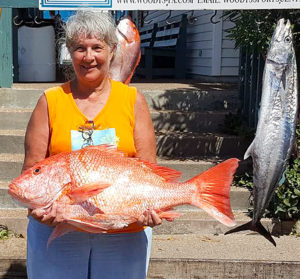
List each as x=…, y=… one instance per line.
x=230, y=55
x=208, y=50
x=199, y=44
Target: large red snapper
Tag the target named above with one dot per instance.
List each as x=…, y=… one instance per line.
x=98, y=188
x=128, y=53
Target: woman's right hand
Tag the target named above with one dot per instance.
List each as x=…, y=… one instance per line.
x=43, y=217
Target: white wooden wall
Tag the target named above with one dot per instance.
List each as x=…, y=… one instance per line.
x=209, y=52
x=230, y=55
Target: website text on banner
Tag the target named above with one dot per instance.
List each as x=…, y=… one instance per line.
x=169, y=4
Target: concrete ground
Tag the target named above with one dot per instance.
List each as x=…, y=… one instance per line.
x=234, y=247
x=249, y=246
x=195, y=256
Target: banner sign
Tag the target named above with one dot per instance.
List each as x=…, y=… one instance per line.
x=169, y=4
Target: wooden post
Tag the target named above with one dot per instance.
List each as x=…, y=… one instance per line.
x=6, y=51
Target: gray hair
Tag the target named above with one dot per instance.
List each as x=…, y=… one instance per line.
x=88, y=23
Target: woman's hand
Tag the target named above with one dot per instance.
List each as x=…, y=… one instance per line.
x=47, y=217
x=37, y=215
x=149, y=218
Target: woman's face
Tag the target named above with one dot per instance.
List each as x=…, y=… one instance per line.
x=91, y=59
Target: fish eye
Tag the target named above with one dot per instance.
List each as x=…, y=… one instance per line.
x=37, y=171
x=287, y=39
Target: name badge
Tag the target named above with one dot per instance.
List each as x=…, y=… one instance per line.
x=81, y=139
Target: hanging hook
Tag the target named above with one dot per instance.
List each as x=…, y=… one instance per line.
x=145, y=21
x=169, y=15
x=211, y=19
x=36, y=21
x=123, y=14
x=192, y=19
x=15, y=21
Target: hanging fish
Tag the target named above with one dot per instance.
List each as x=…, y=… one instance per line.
x=128, y=53
x=275, y=133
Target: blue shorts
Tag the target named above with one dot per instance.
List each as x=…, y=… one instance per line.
x=80, y=255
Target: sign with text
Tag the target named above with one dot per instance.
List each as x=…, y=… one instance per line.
x=169, y=4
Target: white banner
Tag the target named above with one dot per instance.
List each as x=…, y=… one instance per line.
x=169, y=4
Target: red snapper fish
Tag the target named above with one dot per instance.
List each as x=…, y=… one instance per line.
x=128, y=53
x=98, y=188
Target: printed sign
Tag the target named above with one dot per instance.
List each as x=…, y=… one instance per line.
x=169, y=4
x=73, y=4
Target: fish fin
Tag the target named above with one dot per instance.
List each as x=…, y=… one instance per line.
x=88, y=225
x=81, y=194
x=168, y=215
x=213, y=191
x=248, y=151
x=169, y=174
x=60, y=230
x=258, y=227
x=101, y=222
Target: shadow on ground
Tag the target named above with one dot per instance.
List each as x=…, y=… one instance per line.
x=17, y=270
x=191, y=128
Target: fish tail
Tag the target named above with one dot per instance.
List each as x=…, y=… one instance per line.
x=257, y=227
x=213, y=191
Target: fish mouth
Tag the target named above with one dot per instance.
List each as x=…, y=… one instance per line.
x=282, y=29
x=15, y=191
x=18, y=194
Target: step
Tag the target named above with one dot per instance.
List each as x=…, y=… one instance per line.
x=178, y=145
x=191, y=221
x=221, y=257
x=186, y=99
x=192, y=100
x=195, y=256
x=12, y=141
x=14, y=118
x=19, y=98
x=194, y=121
x=208, y=121
x=173, y=145
x=10, y=166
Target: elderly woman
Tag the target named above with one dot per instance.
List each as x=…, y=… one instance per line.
x=90, y=109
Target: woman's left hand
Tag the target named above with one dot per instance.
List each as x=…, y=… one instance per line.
x=149, y=218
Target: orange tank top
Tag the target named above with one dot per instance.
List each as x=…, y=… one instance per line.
x=118, y=114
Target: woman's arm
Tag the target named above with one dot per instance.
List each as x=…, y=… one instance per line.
x=144, y=136
x=36, y=145
x=145, y=144
x=37, y=135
